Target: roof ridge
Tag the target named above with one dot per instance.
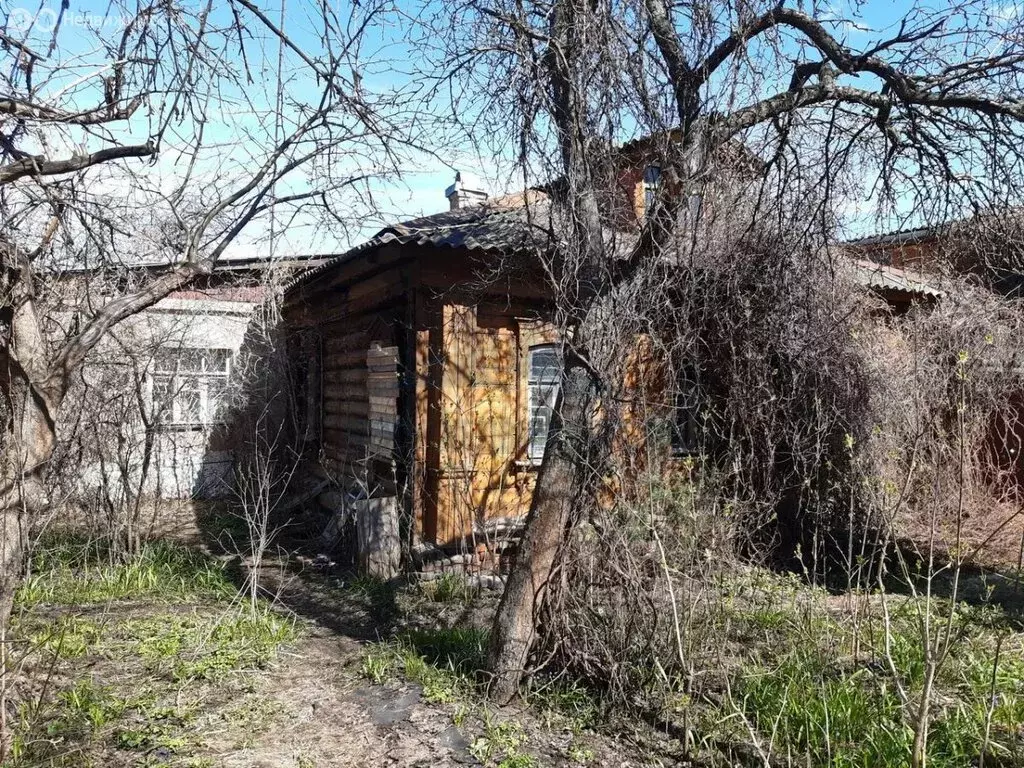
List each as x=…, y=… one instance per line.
x=478, y=228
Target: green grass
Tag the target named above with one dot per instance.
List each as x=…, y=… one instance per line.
x=68, y=637
x=88, y=713
x=831, y=717
x=197, y=647
x=789, y=666
x=173, y=651
x=70, y=572
x=501, y=745
x=182, y=656
x=176, y=646
x=83, y=713
x=89, y=707
x=448, y=588
x=580, y=753
x=443, y=662
x=449, y=665
x=565, y=704
x=813, y=686
x=823, y=692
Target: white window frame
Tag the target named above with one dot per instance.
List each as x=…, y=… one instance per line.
x=686, y=412
x=651, y=183
x=542, y=390
x=182, y=377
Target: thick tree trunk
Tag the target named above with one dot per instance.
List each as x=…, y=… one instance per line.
x=12, y=551
x=22, y=495
x=547, y=525
x=13, y=535
x=28, y=444
x=33, y=391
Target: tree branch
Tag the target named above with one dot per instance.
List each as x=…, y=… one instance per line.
x=685, y=84
x=37, y=165
x=73, y=354
x=105, y=113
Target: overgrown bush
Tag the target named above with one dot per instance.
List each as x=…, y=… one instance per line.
x=862, y=446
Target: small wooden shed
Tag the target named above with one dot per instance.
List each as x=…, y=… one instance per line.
x=429, y=369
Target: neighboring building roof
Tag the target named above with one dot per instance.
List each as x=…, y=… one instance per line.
x=302, y=260
x=732, y=152
x=245, y=264
x=509, y=227
x=881, y=277
x=896, y=237
x=492, y=227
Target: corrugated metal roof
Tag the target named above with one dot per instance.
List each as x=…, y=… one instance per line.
x=882, y=277
x=503, y=229
x=896, y=237
x=486, y=228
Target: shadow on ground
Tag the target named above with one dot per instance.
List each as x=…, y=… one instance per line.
x=297, y=574
x=904, y=567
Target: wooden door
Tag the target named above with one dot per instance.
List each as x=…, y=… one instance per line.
x=479, y=413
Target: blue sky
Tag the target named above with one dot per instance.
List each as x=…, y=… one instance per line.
x=387, y=69
x=424, y=176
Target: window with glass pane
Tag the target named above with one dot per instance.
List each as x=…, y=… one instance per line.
x=686, y=412
x=544, y=378
x=652, y=180
x=189, y=385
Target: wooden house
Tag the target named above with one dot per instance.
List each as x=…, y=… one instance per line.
x=430, y=369
x=424, y=381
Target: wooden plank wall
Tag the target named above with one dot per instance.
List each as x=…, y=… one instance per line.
x=360, y=312
x=398, y=308
x=471, y=416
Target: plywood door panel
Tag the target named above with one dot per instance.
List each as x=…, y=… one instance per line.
x=456, y=443
x=479, y=414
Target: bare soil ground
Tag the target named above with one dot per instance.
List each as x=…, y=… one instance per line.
x=320, y=712
x=334, y=716
x=157, y=682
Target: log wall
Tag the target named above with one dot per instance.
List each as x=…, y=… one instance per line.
x=423, y=391
x=359, y=312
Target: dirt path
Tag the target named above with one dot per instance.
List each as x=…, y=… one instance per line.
x=326, y=716
x=175, y=673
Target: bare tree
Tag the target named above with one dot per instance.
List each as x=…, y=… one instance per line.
x=924, y=118
x=159, y=134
